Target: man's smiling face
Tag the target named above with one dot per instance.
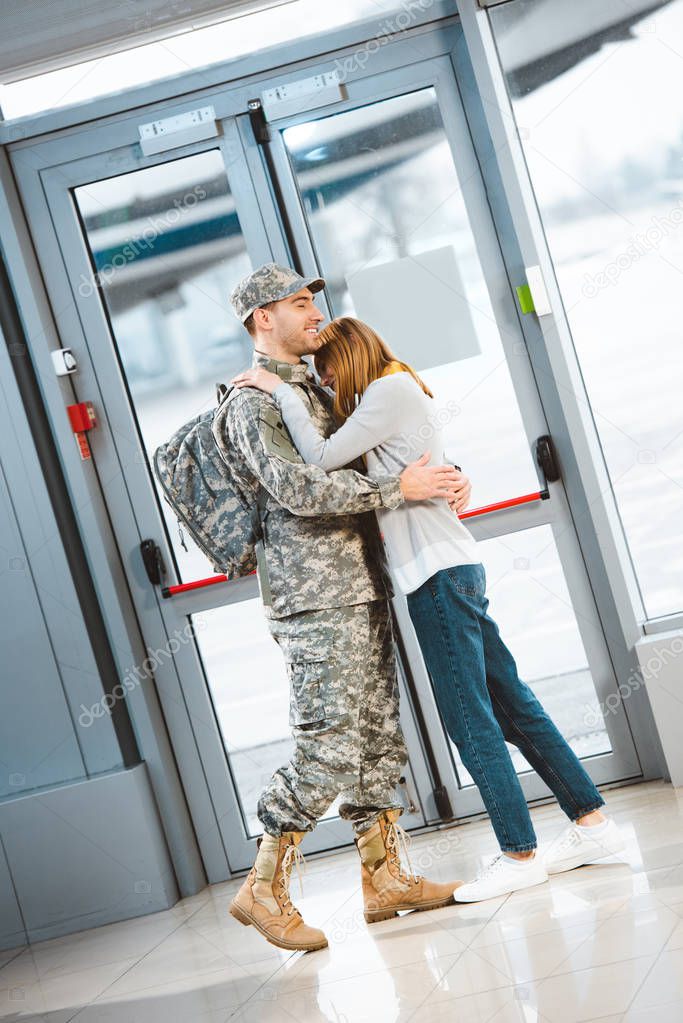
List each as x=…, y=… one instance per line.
x=295, y=322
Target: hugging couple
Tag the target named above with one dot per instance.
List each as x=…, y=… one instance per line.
x=335, y=462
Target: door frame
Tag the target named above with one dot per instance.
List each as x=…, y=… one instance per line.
x=440, y=72
x=43, y=170
x=592, y=502
x=133, y=508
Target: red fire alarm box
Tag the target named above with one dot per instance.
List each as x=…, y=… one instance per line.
x=82, y=419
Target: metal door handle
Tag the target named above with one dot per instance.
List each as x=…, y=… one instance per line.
x=153, y=561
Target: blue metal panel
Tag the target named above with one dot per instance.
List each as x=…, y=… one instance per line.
x=49, y=668
x=86, y=854
x=37, y=736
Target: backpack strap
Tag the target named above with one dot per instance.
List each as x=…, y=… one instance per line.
x=262, y=498
x=223, y=393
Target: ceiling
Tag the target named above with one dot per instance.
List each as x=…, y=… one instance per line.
x=44, y=35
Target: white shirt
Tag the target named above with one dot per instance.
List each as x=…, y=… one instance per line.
x=394, y=423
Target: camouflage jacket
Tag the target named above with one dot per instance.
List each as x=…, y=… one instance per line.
x=320, y=548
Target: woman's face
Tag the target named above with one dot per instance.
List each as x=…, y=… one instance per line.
x=326, y=375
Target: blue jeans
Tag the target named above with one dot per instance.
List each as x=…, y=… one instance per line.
x=483, y=703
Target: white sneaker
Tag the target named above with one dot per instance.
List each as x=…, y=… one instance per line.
x=501, y=876
x=580, y=844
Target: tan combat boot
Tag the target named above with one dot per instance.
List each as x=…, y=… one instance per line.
x=387, y=889
x=263, y=900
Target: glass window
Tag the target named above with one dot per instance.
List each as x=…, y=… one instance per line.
x=391, y=227
x=598, y=101
x=167, y=246
x=188, y=51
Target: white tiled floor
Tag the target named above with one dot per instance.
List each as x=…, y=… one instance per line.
x=604, y=942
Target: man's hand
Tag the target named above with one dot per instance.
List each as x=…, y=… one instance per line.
x=420, y=482
x=464, y=490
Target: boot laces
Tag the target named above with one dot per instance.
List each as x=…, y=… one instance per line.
x=293, y=858
x=398, y=842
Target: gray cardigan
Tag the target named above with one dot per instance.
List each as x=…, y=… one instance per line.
x=393, y=424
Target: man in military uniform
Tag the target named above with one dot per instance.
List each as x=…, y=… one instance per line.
x=325, y=586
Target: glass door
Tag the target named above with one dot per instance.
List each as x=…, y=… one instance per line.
x=380, y=192
x=387, y=202
x=153, y=253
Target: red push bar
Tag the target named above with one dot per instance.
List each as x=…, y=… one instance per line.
x=539, y=495
x=198, y=584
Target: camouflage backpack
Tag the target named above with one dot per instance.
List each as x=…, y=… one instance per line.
x=219, y=511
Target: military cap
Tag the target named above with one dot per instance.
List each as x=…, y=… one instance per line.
x=269, y=283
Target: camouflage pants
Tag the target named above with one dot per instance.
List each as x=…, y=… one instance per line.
x=344, y=715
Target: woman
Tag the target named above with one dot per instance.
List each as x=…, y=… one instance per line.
x=386, y=413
